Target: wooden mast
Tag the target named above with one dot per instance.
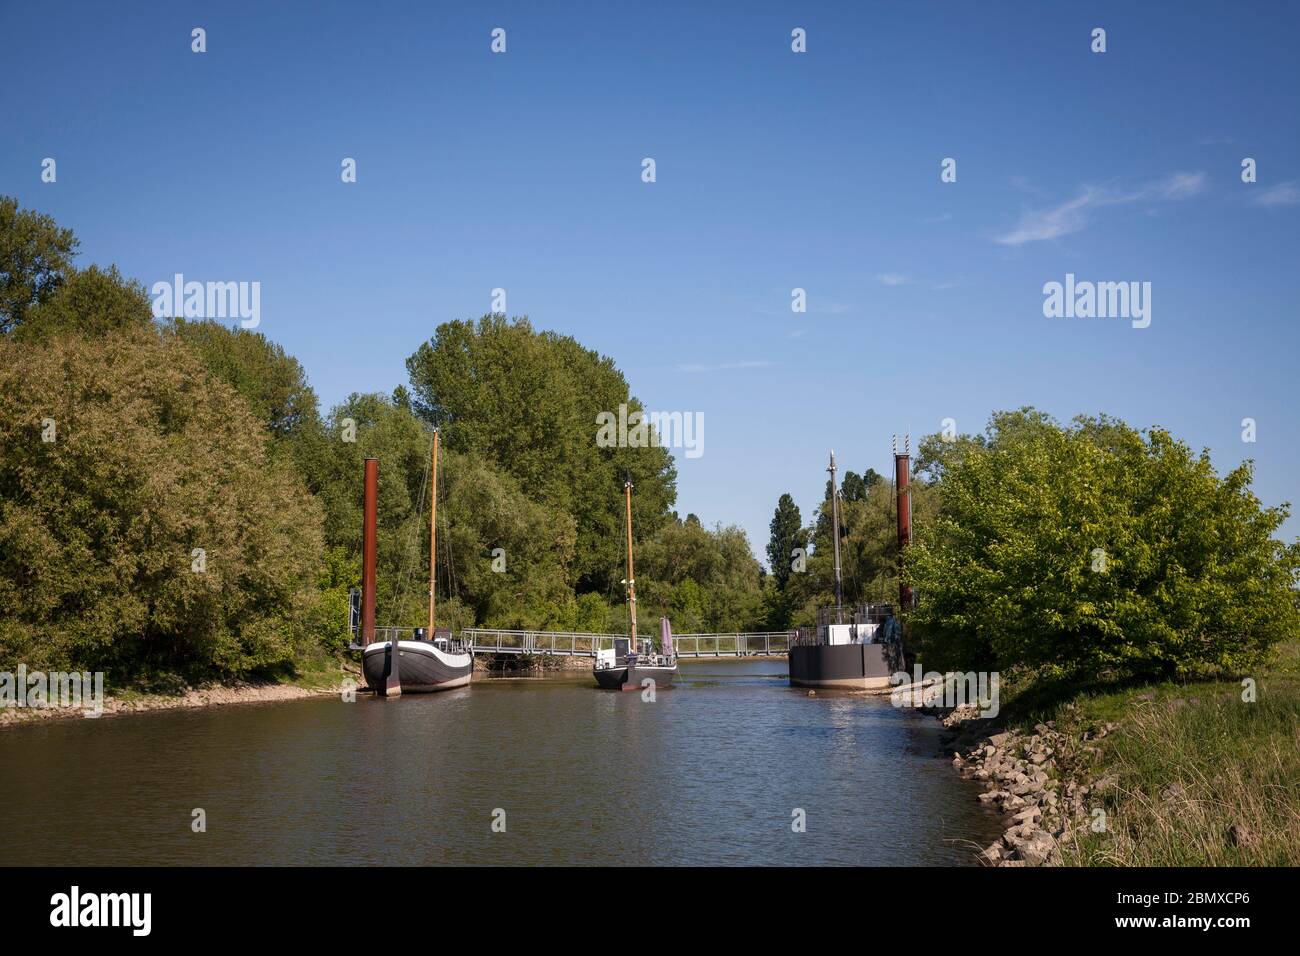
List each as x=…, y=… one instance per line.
x=433, y=531
x=631, y=578
x=835, y=537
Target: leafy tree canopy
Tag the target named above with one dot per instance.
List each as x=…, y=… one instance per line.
x=35, y=257
x=1094, y=545
x=527, y=402
x=119, y=457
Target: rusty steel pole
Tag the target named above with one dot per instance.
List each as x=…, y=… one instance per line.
x=902, y=469
x=368, y=547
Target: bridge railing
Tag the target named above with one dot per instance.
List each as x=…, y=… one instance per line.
x=486, y=640
x=567, y=643
x=733, y=644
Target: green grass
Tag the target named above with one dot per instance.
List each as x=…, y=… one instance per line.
x=317, y=672
x=320, y=673
x=1203, y=777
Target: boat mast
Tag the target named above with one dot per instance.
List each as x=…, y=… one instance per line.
x=835, y=536
x=631, y=579
x=369, y=539
x=902, y=471
x=433, y=529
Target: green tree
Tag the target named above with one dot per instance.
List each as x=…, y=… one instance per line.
x=271, y=381
x=119, y=457
x=505, y=556
x=504, y=560
x=787, y=535
x=35, y=257
x=856, y=487
x=371, y=426
x=527, y=402
x=701, y=579
x=90, y=302
x=1096, y=546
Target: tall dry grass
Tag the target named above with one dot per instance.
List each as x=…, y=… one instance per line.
x=1204, y=779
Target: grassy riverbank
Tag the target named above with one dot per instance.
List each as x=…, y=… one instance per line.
x=316, y=677
x=1192, y=774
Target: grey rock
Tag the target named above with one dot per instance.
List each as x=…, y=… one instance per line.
x=1240, y=835
x=1037, y=848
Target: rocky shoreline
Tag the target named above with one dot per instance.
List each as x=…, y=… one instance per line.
x=1041, y=779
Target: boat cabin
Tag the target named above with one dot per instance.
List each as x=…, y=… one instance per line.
x=865, y=624
x=618, y=654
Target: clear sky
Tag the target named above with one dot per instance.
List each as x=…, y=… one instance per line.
x=775, y=170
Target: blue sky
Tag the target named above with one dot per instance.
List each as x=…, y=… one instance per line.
x=775, y=170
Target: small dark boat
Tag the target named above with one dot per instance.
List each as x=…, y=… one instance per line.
x=624, y=667
x=619, y=669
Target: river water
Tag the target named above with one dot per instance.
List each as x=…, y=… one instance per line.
x=714, y=771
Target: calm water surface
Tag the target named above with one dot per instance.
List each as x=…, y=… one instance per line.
x=708, y=774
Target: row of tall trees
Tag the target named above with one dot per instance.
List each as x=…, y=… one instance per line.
x=172, y=498
x=190, y=508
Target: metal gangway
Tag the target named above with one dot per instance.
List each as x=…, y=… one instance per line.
x=482, y=640
x=753, y=644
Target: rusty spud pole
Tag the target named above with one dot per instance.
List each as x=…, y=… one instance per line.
x=368, y=548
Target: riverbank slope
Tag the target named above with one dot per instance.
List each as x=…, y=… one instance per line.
x=1191, y=773
x=317, y=679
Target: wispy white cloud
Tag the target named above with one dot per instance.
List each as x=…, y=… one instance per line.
x=893, y=278
x=1283, y=194
x=942, y=217
x=1177, y=186
x=1038, y=225
x=725, y=366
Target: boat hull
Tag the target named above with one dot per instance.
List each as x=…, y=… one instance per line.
x=852, y=666
x=424, y=668
x=630, y=678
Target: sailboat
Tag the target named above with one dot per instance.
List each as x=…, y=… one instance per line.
x=432, y=660
x=632, y=660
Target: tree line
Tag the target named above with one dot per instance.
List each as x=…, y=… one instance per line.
x=172, y=497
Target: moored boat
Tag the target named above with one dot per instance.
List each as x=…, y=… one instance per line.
x=432, y=660
x=423, y=665
x=857, y=651
x=860, y=649
x=628, y=666
x=617, y=668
